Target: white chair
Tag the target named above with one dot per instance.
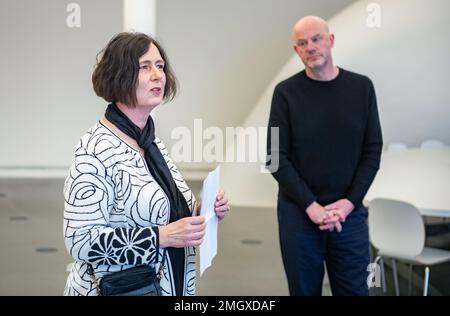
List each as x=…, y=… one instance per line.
x=432, y=145
x=396, y=147
x=397, y=231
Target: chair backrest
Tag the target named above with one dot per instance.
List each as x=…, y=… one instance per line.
x=432, y=144
x=395, y=147
x=396, y=228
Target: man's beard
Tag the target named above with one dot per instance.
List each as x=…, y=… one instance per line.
x=319, y=66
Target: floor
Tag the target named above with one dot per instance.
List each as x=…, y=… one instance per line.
x=34, y=260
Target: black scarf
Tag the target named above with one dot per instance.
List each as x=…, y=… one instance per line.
x=161, y=173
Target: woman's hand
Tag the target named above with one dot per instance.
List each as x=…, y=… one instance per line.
x=221, y=207
x=185, y=232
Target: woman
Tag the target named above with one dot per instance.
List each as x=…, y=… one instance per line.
x=125, y=200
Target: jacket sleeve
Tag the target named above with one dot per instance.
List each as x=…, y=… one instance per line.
x=279, y=161
x=89, y=200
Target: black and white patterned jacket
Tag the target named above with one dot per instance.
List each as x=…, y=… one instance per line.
x=112, y=204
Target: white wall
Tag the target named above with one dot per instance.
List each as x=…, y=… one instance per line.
x=139, y=16
x=407, y=59
x=224, y=54
x=47, y=100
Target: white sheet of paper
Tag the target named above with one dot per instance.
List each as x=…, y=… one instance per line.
x=208, y=248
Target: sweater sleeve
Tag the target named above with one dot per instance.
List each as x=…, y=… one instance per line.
x=370, y=155
x=278, y=159
x=89, y=200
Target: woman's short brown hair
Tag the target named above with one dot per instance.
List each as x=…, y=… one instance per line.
x=115, y=76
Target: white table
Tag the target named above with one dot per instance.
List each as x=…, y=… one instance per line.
x=420, y=177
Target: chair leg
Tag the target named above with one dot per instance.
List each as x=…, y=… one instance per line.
x=410, y=279
x=394, y=272
x=383, y=276
x=426, y=281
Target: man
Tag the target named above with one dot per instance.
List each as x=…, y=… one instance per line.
x=329, y=152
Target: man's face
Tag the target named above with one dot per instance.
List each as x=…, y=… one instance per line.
x=313, y=45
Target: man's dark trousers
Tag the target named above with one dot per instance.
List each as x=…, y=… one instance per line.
x=305, y=248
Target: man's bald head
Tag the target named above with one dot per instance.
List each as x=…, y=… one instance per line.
x=313, y=42
x=309, y=24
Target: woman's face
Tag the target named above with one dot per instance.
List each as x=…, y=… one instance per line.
x=152, y=79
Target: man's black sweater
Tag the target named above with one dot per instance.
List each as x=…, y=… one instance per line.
x=329, y=138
